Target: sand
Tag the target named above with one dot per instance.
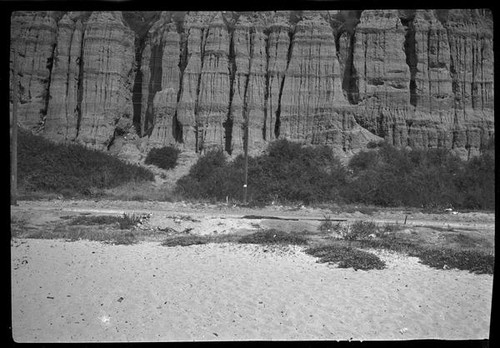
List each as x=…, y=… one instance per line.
x=89, y=291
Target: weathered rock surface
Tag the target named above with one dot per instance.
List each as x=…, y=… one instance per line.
x=196, y=80
x=34, y=37
x=62, y=114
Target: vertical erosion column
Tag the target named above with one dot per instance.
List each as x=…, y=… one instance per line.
x=195, y=28
x=277, y=54
x=165, y=100
x=249, y=100
x=214, y=88
x=62, y=114
x=35, y=35
x=470, y=34
x=108, y=56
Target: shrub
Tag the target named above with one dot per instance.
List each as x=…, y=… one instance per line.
x=361, y=230
x=165, y=157
x=327, y=225
x=70, y=169
x=429, y=178
x=287, y=172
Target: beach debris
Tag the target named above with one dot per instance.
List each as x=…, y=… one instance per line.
x=403, y=330
x=104, y=318
x=180, y=218
x=120, y=299
x=167, y=230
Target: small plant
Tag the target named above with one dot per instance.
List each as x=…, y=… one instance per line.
x=165, y=157
x=327, y=225
x=391, y=228
x=129, y=221
x=360, y=230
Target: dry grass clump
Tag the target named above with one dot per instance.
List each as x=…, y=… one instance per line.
x=188, y=240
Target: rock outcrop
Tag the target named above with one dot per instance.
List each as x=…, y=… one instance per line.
x=198, y=80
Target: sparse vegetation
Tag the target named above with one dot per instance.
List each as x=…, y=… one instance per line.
x=471, y=260
x=126, y=221
x=74, y=233
x=346, y=257
x=164, y=157
x=273, y=236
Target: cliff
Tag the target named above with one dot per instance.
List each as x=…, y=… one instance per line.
x=196, y=80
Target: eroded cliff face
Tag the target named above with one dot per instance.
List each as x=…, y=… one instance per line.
x=196, y=80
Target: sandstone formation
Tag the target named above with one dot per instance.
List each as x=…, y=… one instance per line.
x=198, y=80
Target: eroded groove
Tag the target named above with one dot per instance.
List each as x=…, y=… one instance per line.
x=137, y=88
x=349, y=82
x=411, y=58
x=199, y=137
x=50, y=65
x=156, y=71
x=277, y=124
x=177, y=130
x=266, y=91
x=245, y=93
x=228, y=124
x=79, y=92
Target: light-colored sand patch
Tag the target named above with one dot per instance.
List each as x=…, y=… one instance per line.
x=89, y=291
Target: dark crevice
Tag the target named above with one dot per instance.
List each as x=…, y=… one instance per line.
x=155, y=67
x=411, y=57
x=199, y=135
x=228, y=124
x=277, y=124
x=349, y=82
x=79, y=92
x=137, y=87
x=177, y=129
x=50, y=65
x=245, y=94
x=266, y=91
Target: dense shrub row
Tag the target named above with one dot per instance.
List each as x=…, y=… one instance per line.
x=382, y=175
x=70, y=169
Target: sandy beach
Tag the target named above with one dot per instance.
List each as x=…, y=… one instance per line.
x=89, y=291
